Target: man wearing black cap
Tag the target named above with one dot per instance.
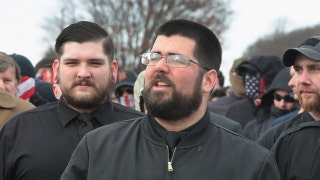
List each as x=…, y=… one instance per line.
x=297, y=148
x=124, y=88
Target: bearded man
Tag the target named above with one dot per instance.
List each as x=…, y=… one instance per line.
x=38, y=143
x=177, y=140
x=297, y=150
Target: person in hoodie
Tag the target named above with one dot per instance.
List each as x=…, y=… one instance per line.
x=124, y=88
x=258, y=74
x=276, y=102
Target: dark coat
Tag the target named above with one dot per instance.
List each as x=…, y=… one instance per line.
x=268, y=138
x=136, y=150
x=226, y=123
x=297, y=152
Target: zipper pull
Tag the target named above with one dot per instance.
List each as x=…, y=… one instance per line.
x=170, y=168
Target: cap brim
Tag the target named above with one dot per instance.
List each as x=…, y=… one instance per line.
x=124, y=84
x=290, y=55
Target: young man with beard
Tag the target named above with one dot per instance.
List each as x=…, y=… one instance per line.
x=37, y=144
x=176, y=140
x=297, y=149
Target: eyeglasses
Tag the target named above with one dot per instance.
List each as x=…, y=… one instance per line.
x=285, y=98
x=176, y=60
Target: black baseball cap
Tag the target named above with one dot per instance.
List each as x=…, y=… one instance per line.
x=309, y=48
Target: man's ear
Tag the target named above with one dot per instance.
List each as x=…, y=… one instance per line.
x=55, y=68
x=114, y=69
x=209, y=81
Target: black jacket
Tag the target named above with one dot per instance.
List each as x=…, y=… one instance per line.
x=297, y=152
x=136, y=150
x=38, y=144
x=226, y=123
x=268, y=138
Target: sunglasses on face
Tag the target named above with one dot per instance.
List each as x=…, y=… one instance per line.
x=122, y=90
x=287, y=98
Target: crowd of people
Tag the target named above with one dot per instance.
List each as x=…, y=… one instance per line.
x=76, y=115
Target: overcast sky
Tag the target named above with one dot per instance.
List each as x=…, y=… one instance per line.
x=21, y=21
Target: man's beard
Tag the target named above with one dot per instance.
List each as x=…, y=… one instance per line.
x=89, y=101
x=310, y=103
x=176, y=107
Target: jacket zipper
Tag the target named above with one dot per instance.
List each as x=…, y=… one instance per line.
x=170, y=166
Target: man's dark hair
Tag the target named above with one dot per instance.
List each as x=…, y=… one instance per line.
x=84, y=31
x=208, y=48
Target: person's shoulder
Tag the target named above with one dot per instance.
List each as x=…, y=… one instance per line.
x=286, y=124
x=30, y=119
x=225, y=122
x=33, y=113
x=45, y=107
x=221, y=100
x=300, y=127
x=221, y=105
x=242, y=105
x=117, y=128
x=269, y=137
x=241, y=102
x=123, y=110
x=240, y=142
x=284, y=118
x=22, y=104
x=10, y=101
x=297, y=135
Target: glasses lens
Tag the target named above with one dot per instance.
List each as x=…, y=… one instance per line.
x=177, y=61
x=144, y=59
x=150, y=58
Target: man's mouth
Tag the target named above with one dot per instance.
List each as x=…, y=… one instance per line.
x=161, y=84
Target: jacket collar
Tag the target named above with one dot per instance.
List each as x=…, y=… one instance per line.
x=67, y=114
x=189, y=137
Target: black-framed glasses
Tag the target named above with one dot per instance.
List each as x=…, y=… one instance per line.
x=285, y=98
x=174, y=60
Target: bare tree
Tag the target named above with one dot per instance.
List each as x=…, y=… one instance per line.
x=132, y=23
